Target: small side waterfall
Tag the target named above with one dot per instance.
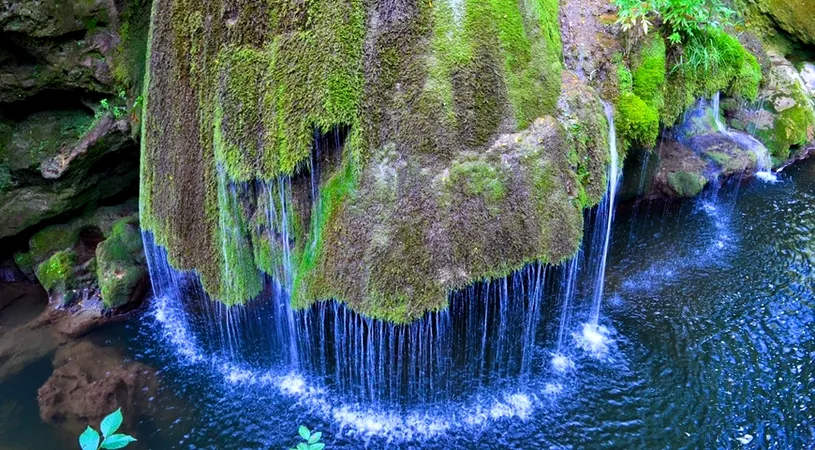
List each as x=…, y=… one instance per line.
x=594, y=337
x=763, y=162
x=606, y=216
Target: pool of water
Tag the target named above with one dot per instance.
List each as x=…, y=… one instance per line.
x=710, y=314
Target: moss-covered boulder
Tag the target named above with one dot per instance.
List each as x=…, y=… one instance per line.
x=792, y=16
x=120, y=266
x=463, y=159
x=681, y=172
x=783, y=117
x=57, y=273
x=72, y=268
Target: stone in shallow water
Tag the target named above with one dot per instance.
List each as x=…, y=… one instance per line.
x=89, y=382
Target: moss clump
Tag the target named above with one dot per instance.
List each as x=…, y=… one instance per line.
x=53, y=238
x=710, y=62
x=637, y=121
x=25, y=264
x=56, y=274
x=686, y=184
x=120, y=263
x=648, y=77
x=477, y=178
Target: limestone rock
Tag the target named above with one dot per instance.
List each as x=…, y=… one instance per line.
x=783, y=118
x=57, y=161
x=90, y=382
x=794, y=17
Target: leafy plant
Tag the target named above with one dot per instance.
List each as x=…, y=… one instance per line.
x=311, y=440
x=684, y=18
x=90, y=439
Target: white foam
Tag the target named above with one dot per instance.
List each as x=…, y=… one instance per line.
x=594, y=340
x=561, y=363
x=767, y=176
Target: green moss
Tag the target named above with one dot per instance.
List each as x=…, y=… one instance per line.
x=53, y=238
x=793, y=127
x=648, y=78
x=712, y=61
x=310, y=282
x=477, y=178
x=686, y=184
x=120, y=263
x=637, y=122
x=56, y=274
x=6, y=180
x=25, y=264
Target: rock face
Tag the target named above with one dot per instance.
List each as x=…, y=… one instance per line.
x=90, y=382
x=70, y=74
x=92, y=267
x=453, y=124
x=794, y=17
x=783, y=118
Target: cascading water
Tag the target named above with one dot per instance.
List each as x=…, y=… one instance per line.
x=763, y=162
x=594, y=337
x=487, y=343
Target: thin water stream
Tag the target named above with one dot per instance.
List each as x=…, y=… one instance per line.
x=709, y=308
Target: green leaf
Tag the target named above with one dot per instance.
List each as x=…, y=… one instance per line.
x=117, y=441
x=302, y=446
x=111, y=423
x=317, y=446
x=89, y=439
x=315, y=437
x=304, y=432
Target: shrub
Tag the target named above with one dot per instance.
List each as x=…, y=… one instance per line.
x=682, y=18
x=311, y=441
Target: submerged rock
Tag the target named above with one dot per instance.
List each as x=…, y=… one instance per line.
x=89, y=382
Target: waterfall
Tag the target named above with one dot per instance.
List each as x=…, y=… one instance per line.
x=561, y=362
x=606, y=217
x=763, y=162
x=594, y=337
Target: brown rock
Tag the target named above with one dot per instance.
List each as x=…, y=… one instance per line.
x=90, y=382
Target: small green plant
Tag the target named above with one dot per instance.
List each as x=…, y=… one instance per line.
x=684, y=19
x=90, y=439
x=312, y=440
x=106, y=106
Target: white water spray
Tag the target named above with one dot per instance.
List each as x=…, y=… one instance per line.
x=594, y=338
x=763, y=162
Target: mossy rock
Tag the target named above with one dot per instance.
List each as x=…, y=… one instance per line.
x=734, y=72
x=25, y=264
x=793, y=16
x=57, y=273
x=120, y=263
x=783, y=118
x=638, y=123
x=41, y=135
x=686, y=184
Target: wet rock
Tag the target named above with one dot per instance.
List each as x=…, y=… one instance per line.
x=783, y=118
x=808, y=75
x=22, y=345
x=89, y=382
x=59, y=161
x=793, y=16
x=92, y=267
x=681, y=171
x=121, y=267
